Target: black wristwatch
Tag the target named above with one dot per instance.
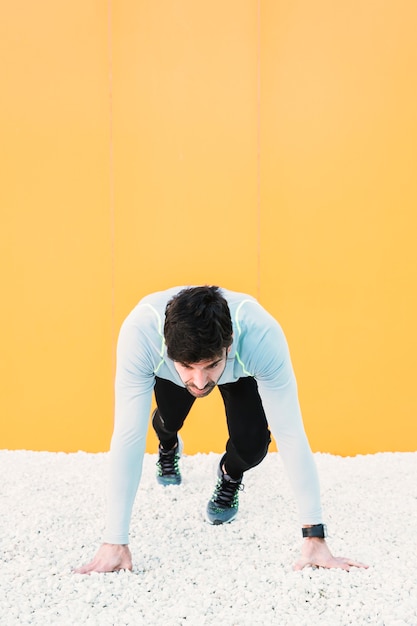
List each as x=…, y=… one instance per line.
x=317, y=530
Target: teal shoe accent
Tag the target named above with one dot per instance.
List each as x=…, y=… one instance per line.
x=168, y=471
x=224, y=503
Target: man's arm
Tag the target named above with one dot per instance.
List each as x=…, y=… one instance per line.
x=278, y=390
x=133, y=396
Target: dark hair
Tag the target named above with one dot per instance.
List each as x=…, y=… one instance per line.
x=198, y=325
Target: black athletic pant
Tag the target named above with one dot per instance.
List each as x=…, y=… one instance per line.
x=249, y=436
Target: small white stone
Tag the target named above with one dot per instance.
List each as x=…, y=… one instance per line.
x=52, y=515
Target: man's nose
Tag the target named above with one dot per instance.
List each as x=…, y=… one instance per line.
x=200, y=379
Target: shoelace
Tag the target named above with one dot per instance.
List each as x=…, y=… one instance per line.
x=168, y=462
x=226, y=492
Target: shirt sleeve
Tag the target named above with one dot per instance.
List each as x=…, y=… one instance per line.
x=278, y=390
x=133, y=396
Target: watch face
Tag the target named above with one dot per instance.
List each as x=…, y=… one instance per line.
x=317, y=530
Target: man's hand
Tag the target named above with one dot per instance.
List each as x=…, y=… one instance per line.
x=315, y=553
x=110, y=557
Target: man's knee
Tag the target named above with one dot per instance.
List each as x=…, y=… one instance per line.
x=251, y=453
x=159, y=425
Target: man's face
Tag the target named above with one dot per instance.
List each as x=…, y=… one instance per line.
x=201, y=378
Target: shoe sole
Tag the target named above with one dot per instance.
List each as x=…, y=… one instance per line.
x=218, y=522
x=168, y=482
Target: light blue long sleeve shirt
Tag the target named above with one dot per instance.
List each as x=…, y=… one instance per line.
x=259, y=350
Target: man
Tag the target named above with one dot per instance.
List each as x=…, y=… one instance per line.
x=181, y=344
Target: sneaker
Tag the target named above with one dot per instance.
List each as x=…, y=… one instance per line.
x=168, y=471
x=224, y=503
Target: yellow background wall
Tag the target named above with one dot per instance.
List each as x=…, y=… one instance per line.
x=269, y=146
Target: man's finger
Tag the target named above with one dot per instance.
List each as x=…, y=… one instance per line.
x=88, y=568
x=81, y=570
x=356, y=563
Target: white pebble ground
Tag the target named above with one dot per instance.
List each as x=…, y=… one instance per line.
x=187, y=572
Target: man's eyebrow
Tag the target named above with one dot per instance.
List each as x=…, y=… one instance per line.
x=216, y=361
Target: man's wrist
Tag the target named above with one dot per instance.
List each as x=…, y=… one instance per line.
x=314, y=531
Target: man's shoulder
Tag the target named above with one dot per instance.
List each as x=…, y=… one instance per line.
x=237, y=298
x=149, y=311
